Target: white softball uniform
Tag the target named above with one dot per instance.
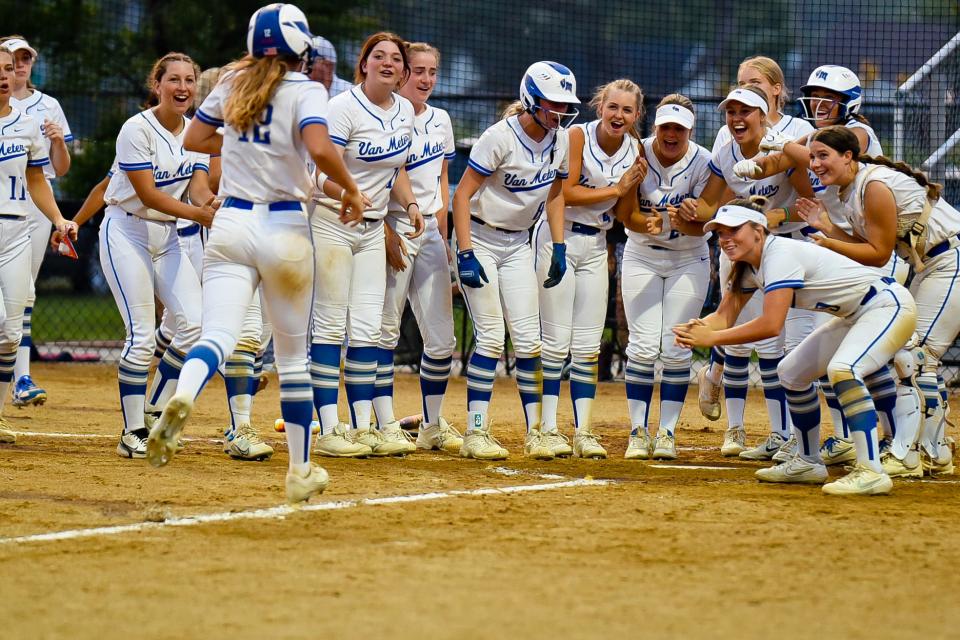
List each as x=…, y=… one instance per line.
x=779, y=193
x=351, y=261
x=41, y=107
x=139, y=247
x=519, y=172
x=665, y=276
x=572, y=313
x=22, y=145
x=873, y=317
x=936, y=287
x=426, y=280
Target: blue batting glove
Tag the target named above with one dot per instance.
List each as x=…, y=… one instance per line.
x=558, y=265
x=470, y=269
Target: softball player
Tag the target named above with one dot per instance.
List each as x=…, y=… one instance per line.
x=271, y=117
x=666, y=270
x=372, y=128
x=139, y=249
x=23, y=154
x=418, y=269
x=56, y=132
x=873, y=318
x=891, y=205
x=745, y=112
x=515, y=173
x=604, y=166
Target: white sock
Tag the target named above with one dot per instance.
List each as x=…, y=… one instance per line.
x=194, y=373
x=735, y=409
x=133, y=409
x=865, y=441
x=477, y=415
x=361, y=414
x=329, y=418
x=584, y=410
x=669, y=415
x=638, y=414
x=383, y=407
x=22, y=366
x=549, y=412
x=240, y=408
x=434, y=405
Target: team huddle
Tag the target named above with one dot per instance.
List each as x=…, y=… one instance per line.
x=295, y=207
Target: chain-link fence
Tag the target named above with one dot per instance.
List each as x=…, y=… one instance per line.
x=94, y=56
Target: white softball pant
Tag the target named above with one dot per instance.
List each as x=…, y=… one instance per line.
x=572, y=313
x=426, y=283
x=40, y=229
x=139, y=258
x=661, y=288
x=768, y=348
x=512, y=293
x=15, y=282
x=937, y=292
x=351, y=267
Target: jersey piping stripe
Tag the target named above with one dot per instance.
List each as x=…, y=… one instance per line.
x=385, y=155
x=423, y=161
x=338, y=141
x=880, y=335
x=312, y=120
x=6, y=126
x=956, y=270
x=783, y=284
x=162, y=136
x=135, y=166
x=208, y=119
x=479, y=168
x=42, y=162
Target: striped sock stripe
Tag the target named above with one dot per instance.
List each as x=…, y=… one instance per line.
x=552, y=373
x=674, y=383
x=736, y=376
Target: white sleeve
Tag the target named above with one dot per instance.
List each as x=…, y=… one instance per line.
x=134, y=147
x=312, y=105
x=340, y=120
x=487, y=153
x=715, y=164
x=61, y=119
x=779, y=270
x=201, y=161
x=723, y=136
x=449, y=146
x=211, y=111
x=563, y=148
x=37, y=154
x=700, y=182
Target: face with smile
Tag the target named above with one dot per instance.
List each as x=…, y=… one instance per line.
x=423, y=77
x=825, y=105
x=618, y=113
x=384, y=65
x=830, y=166
x=177, y=86
x=745, y=122
x=747, y=76
x=741, y=243
x=672, y=141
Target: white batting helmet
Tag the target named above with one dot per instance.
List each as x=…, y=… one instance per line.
x=278, y=30
x=549, y=81
x=841, y=81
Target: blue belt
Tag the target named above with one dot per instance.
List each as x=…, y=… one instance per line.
x=480, y=220
x=872, y=291
x=943, y=247
x=806, y=231
x=584, y=229
x=10, y=216
x=283, y=205
x=192, y=230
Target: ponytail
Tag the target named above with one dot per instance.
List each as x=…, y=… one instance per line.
x=934, y=189
x=254, y=84
x=515, y=108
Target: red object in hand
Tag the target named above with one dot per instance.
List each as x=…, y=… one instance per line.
x=67, y=249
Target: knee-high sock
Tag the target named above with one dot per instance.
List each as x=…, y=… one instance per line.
x=717, y=362
x=165, y=379
x=883, y=389
x=201, y=363
x=133, y=389
x=805, y=413
x=639, y=378
x=481, y=371
x=359, y=379
x=862, y=420
x=161, y=342
x=673, y=391
x=383, y=389
x=325, y=378
x=583, y=389
x=434, y=374
x=297, y=410
x=552, y=371
x=530, y=386
x=775, y=397
x=239, y=381
x=840, y=429
x=736, y=376
x=22, y=366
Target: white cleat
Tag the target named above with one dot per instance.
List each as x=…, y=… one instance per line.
x=862, y=481
x=639, y=446
x=766, y=449
x=666, y=447
x=480, y=445
x=558, y=443
x=379, y=444
x=244, y=443
x=440, y=437
x=909, y=467
x=794, y=470
x=165, y=434
x=788, y=449
x=708, y=395
x=836, y=450
x=942, y=465
x=340, y=443
x=586, y=444
x=393, y=433
x=300, y=489
x=133, y=444
x=734, y=441
x=535, y=446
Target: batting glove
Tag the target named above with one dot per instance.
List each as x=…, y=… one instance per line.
x=558, y=265
x=774, y=141
x=747, y=169
x=470, y=269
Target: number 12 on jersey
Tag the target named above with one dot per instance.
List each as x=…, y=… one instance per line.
x=261, y=128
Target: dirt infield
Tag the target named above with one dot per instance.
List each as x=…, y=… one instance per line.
x=659, y=551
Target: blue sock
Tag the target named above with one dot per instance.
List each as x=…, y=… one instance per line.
x=583, y=390
x=930, y=389
x=359, y=379
x=776, y=398
x=840, y=427
x=161, y=342
x=133, y=389
x=883, y=389
x=673, y=391
x=325, y=378
x=552, y=373
x=862, y=419
x=383, y=388
x=257, y=372
x=718, y=356
x=434, y=374
x=530, y=385
x=736, y=376
x=165, y=379
x=297, y=411
x=481, y=371
x=805, y=413
x=639, y=382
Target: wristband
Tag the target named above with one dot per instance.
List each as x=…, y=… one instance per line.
x=786, y=213
x=410, y=205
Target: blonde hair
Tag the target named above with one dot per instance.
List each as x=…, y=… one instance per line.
x=16, y=36
x=679, y=99
x=206, y=82
x=772, y=73
x=758, y=204
x=254, y=83
x=515, y=108
x=159, y=69
x=422, y=47
x=621, y=84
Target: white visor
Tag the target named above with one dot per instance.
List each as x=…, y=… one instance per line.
x=676, y=114
x=746, y=97
x=16, y=44
x=734, y=216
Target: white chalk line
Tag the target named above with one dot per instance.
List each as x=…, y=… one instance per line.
x=281, y=511
x=692, y=467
